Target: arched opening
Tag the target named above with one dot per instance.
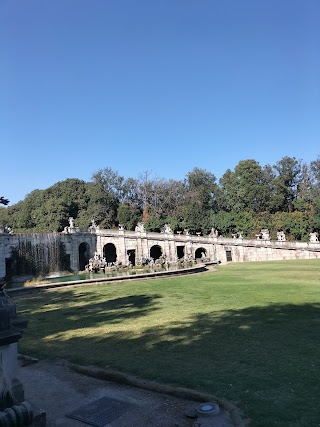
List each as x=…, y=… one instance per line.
x=84, y=251
x=200, y=253
x=155, y=252
x=110, y=252
x=180, y=252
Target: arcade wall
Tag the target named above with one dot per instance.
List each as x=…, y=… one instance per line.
x=141, y=243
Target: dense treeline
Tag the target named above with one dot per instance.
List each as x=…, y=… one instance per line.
x=284, y=196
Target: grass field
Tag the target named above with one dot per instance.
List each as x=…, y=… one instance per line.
x=248, y=332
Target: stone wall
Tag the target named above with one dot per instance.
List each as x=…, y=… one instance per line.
x=141, y=242
x=259, y=250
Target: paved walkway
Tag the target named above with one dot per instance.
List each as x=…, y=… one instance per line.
x=56, y=389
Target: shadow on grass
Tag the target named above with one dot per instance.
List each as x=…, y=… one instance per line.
x=70, y=311
x=265, y=359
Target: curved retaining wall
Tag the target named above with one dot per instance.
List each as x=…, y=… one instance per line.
x=182, y=271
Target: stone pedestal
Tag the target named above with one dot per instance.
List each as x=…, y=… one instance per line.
x=12, y=404
x=11, y=389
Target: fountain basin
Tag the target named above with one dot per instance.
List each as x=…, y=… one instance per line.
x=97, y=279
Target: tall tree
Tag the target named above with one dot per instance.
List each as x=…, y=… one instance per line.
x=108, y=193
x=315, y=185
x=200, y=200
x=286, y=183
x=244, y=189
x=304, y=196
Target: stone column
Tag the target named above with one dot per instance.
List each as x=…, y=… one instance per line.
x=189, y=248
x=72, y=248
x=142, y=245
x=172, y=250
x=122, y=252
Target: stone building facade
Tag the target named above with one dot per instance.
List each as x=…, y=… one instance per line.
x=124, y=246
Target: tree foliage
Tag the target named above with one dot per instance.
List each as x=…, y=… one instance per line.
x=284, y=196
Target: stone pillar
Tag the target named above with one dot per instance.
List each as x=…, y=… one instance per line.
x=11, y=390
x=99, y=246
x=142, y=245
x=172, y=250
x=189, y=248
x=14, y=411
x=145, y=246
x=74, y=253
x=122, y=252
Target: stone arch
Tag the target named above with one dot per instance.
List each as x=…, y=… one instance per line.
x=84, y=255
x=110, y=252
x=200, y=253
x=155, y=252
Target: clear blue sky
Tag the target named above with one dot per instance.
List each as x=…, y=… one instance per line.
x=158, y=85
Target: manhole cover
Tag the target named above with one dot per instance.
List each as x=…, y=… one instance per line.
x=100, y=412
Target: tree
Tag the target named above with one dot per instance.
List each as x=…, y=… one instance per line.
x=108, y=193
x=304, y=196
x=200, y=200
x=287, y=177
x=128, y=215
x=244, y=189
x=315, y=185
x=3, y=211
x=159, y=199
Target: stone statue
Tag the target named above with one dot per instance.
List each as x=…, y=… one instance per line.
x=186, y=232
x=314, y=237
x=140, y=228
x=281, y=236
x=166, y=229
x=121, y=227
x=71, y=228
x=93, y=226
x=4, y=229
x=214, y=232
x=263, y=235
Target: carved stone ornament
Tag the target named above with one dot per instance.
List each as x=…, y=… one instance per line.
x=314, y=238
x=213, y=232
x=166, y=229
x=281, y=236
x=140, y=227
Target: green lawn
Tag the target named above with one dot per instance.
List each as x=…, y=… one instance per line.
x=248, y=332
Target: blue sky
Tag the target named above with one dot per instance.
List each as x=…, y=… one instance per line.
x=163, y=86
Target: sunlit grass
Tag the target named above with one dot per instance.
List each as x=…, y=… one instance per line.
x=248, y=332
